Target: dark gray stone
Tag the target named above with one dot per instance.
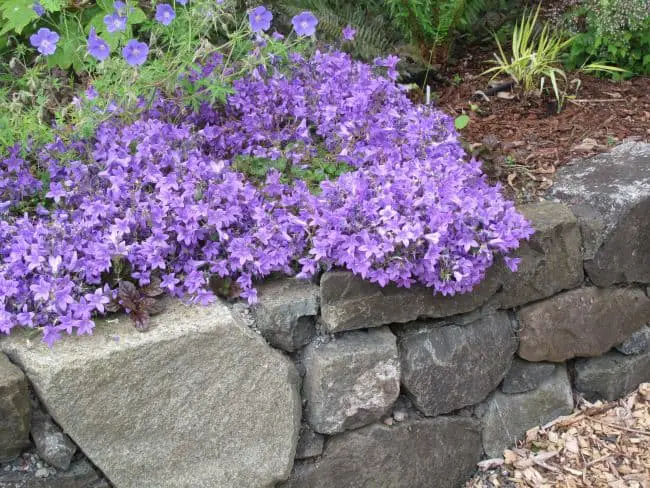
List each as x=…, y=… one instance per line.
x=611, y=376
x=585, y=322
x=637, y=343
x=351, y=381
x=286, y=312
x=80, y=475
x=447, y=366
x=310, y=443
x=506, y=418
x=610, y=195
x=417, y=453
x=52, y=445
x=551, y=261
x=15, y=410
x=524, y=376
x=349, y=302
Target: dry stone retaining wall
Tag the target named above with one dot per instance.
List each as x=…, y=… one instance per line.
x=344, y=383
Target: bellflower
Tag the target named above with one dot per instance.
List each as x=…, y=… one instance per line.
x=348, y=33
x=260, y=19
x=304, y=23
x=38, y=8
x=44, y=41
x=165, y=13
x=135, y=52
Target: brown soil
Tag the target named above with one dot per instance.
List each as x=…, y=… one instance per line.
x=523, y=139
x=598, y=446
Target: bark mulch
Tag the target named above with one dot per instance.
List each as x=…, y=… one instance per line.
x=600, y=445
x=522, y=140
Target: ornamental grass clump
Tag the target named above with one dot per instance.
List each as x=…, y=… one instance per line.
x=312, y=163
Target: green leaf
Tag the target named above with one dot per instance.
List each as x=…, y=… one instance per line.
x=106, y=5
x=52, y=5
x=646, y=59
x=461, y=121
x=18, y=13
x=136, y=16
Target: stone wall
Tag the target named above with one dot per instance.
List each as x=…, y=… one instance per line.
x=344, y=383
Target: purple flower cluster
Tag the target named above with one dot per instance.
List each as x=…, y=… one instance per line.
x=161, y=199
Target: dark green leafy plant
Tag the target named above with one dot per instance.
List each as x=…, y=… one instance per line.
x=615, y=32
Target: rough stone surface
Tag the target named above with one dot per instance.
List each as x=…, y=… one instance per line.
x=14, y=410
x=286, y=311
x=349, y=302
x=551, y=261
x=611, y=376
x=446, y=367
x=80, y=475
x=637, y=343
x=199, y=400
x=351, y=381
x=310, y=443
x=524, y=376
x=53, y=445
x=610, y=196
x=584, y=322
x=416, y=453
x=506, y=418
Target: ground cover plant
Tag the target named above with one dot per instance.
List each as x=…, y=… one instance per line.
x=305, y=161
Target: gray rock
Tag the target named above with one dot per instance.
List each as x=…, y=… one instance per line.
x=80, y=475
x=310, y=443
x=351, y=381
x=52, y=445
x=199, y=400
x=15, y=410
x=506, y=418
x=349, y=302
x=611, y=376
x=637, y=343
x=524, y=376
x=610, y=196
x=416, y=453
x=285, y=313
x=451, y=366
x=551, y=261
x=584, y=322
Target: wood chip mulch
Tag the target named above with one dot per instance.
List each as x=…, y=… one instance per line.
x=600, y=445
x=522, y=140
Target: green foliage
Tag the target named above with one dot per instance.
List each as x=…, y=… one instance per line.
x=608, y=38
x=313, y=171
x=432, y=24
x=536, y=56
x=375, y=34
x=461, y=121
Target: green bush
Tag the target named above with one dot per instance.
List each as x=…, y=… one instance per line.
x=616, y=32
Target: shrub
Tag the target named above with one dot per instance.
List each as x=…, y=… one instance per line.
x=616, y=32
x=158, y=202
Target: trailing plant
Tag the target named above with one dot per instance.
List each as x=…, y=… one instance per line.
x=158, y=203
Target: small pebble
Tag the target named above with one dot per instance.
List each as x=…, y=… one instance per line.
x=42, y=473
x=399, y=415
x=388, y=421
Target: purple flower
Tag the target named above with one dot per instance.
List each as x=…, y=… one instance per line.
x=260, y=19
x=115, y=23
x=165, y=13
x=304, y=23
x=91, y=93
x=348, y=33
x=38, y=8
x=120, y=7
x=135, y=52
x=97, y=47
x=182, y=2
x=44, y=41
x=512, y=263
